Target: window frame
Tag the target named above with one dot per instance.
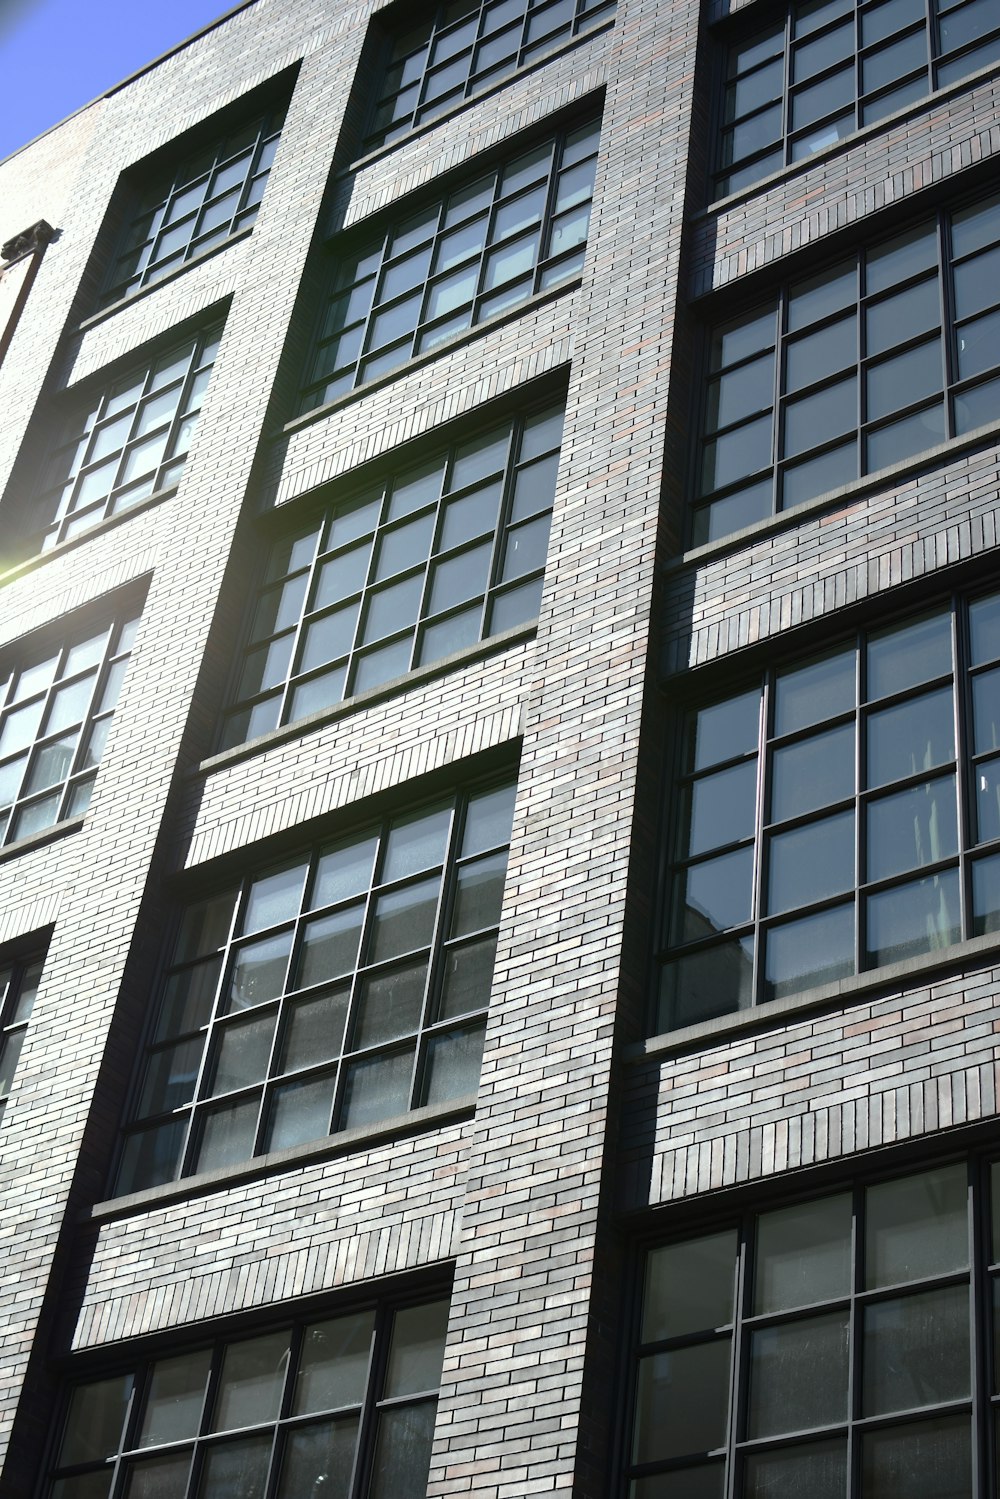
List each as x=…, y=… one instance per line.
x=20, y=977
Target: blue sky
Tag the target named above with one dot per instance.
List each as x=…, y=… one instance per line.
x=56, y=55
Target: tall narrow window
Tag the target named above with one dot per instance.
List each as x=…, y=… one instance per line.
x=56, y=706
x=486, y=247
x=437, y=557
x=464, y=46
x=342, y=1404
x=196, y=205
x=339, y=990
x=19, y=982
x=123, y=442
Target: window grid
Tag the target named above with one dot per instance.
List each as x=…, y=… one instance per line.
x=19, y=982
x=55, y=714
x=842, y=1346
x=125, y=442
x=830, y=68
x=346, y=1403
x=483, y=249
x=842, y=815
x=850, y=370
x=208, y=198
x=354, y=988
x=440, y=556
x=463, y=48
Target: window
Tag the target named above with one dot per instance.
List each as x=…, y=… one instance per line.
x=843, y=814
x=123, y=443
x=196, y=206
x=435, y=558
x=836, y=1347
x=484, y=248
x=19, y=982
x=56, y=708
x=852, y=369
x=339, y=990
x=341, y=1405
x=828, y=67
x=463, y=47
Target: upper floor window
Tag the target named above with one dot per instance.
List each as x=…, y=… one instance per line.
x=124, y=442
x=56, y=706
x=195, y=206
x=842, y=814
x=436, y=557
x=463, y=47
x=828, y=67
x=341, y=1405
x=343, y=989
x=19, y=982
x=851, y=369
x=839, y=1347
x=484, y=248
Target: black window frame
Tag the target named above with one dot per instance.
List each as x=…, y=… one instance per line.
x=386, y=305
x=368, y=1412
x=20, y=977
x=459, y=73
x=176, y=1093
x=731, y=962
x=855, y=106
x=281, y=677
x=980, y=1273
x=725, y=499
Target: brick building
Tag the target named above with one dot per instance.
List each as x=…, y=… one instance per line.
x=500, y=758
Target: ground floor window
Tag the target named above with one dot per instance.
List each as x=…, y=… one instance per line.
x=840, y=1347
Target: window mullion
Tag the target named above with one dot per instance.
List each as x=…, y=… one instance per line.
x=961, y=698
x=860, y=829
x=949, y=363
x=761, y=813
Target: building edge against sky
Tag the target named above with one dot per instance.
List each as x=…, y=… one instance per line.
x=499, y=712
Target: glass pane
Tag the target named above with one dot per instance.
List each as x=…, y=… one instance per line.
x=333, y=1363
x=916, y=918
x=798, y=1375
x=377, y=1089
x=329, y=946
x=705, y=984
x=205, y=926
x=819, y=690
x=816, y=950
x=914, y=827
x=478, y=894
x=689, y=1286
x=467, y=976
x=818, y=1469
x=740, y=393
x=236, y=1470
x=986, y=896
x=403, y=1452
x=416, y=843
x=319, y=1460
x=895, y=261
x=721, y=808
x=681, y=1402
x=314, y=1030
x=188, y=999
x=344, y=871
x=704, y=1482
x=454, y=1061
x=812, y=773
x=802, y=482
x=747, y=335
x=95, y=1420
x=10, y=1052
x=404, y=920
x=473, y=515
x=725, y=730
x=917, y=1226
x=158, y=1477
x=170, y=1077
x=901, y=317
x=242, y=1053
x=913, y=736
x=175, y=1399
x=803, y=1254
x=418, y=1335
x=986, y=711
x=916, y=1350
x=811, y=863
x=299, y=1113
x=901, y=440
x=258, y=972
x=922, y=1460
x=819, y=355
x=251, y=1382
x=906, y=378
x=713, y=896
x=227, y=1136
x=818, y=296
x=815, y=419
x=390, y=1004
x=488, y=818
x=150, y=1157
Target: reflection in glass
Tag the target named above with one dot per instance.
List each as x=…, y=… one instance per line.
x=681, y=1402
x=798, y=1375
x=916, y=1350
x=803, y=1254
x=917, y=1226
x=689, y=1286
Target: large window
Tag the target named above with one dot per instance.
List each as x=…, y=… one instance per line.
x=436, y=557
x=122, y=443
x=342, y=989
x=196, y=206
x=828, y=67
x=851, y=369
x=464, y=46
x=341, y=1405
x=56, y=706
x=484, y=248
x=841, y=815
x=839, y=1347
x=19, y=982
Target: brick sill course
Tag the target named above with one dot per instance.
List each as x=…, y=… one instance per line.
x=419, y=361
x=420, y=675
x=44, y=835
x=847, y=494
x=20, y=569
x=417, y=1121
x=427, y=126
x=933, y=100
x=891, y=976
x=113, y=308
